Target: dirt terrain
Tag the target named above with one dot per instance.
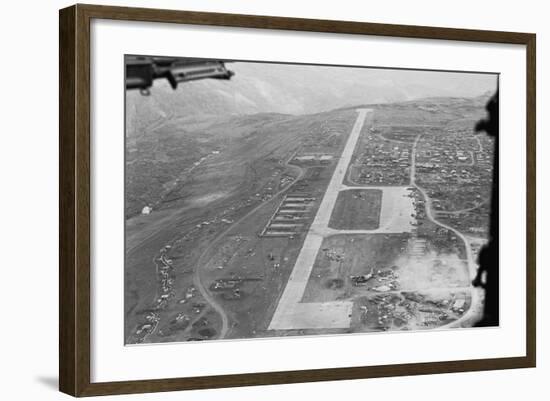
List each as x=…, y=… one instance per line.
x=229, y=196
x=233, y=200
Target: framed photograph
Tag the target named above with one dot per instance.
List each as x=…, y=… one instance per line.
x=250, y=200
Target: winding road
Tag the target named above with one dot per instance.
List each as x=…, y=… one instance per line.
x=205, y=255
x=472, y=269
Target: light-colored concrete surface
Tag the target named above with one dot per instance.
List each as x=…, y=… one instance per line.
x=396, y=212
x=317, y=315
x=286, y=315
x=279, y=233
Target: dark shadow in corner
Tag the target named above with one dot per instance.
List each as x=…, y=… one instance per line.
x=488, y=274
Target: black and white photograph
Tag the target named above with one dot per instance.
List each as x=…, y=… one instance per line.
x=267, y=199
x=275, y=200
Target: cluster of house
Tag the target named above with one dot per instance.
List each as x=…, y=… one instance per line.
x=456, y=170
x=383, y=162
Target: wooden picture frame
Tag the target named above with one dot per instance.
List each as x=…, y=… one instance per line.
x=74, y=199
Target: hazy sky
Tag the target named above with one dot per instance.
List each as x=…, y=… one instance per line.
x=419, y=83
x=306, y=89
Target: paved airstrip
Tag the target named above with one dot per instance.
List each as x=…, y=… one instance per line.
x=395, y=217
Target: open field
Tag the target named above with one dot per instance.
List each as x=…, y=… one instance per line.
x=357, y=209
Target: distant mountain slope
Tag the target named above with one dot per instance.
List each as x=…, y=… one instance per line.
x=293, y=89
x=162, y=151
